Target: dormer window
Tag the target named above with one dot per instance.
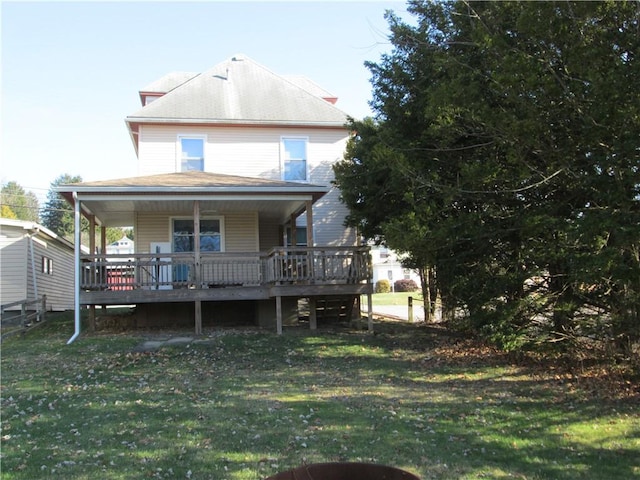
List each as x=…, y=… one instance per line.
x=294, y=159
x=150, y=98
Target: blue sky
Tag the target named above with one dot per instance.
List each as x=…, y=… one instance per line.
x=71, y=71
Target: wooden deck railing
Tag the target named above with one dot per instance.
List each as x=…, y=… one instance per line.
x=292, y=265
x=32, y=313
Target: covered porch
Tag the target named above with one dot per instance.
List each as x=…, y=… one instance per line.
x=256, y=213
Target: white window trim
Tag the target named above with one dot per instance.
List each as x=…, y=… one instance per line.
x=180, y=136
x=282, y=153
x=220, y=218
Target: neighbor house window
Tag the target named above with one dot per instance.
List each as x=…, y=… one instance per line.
x=47, y=265
x=191, y=153
x=294, y=159
x=211, y=239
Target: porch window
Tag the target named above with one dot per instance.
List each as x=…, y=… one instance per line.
x=191, y=151
x=301, y=236
x=294, y=159
x=210, y=235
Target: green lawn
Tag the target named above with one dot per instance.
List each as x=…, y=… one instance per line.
x=245, y=404
x=399, y=298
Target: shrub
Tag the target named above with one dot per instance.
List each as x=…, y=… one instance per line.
x=383, y=286
x=405, y=286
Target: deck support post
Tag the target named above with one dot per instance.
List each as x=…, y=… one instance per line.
x=313, y=314
x=198, y=315
x=279, y=314
x=370, y=311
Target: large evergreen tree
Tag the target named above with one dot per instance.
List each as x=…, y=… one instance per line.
x=57, y=214
x=505, y=156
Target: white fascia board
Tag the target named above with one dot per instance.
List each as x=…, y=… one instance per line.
x=160, y=198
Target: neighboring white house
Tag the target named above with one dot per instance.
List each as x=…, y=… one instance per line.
x=388, y=266
x=34, y=262
x=122, y=246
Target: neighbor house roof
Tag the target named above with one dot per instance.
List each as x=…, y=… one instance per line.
x=237, y=91
x=33, y=228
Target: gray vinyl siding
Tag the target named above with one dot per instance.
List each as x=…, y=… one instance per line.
x=329, y=214
x=13, y=275
x=17, y=275
x=57, y=286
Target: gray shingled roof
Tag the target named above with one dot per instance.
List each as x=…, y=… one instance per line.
x=309, y=85
x=192, y=180
x=274, y=200
x=239, y=91
x=168, y=82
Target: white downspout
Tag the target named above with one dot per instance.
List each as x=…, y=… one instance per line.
x=76, y=288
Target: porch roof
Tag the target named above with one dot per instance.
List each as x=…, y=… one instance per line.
x=114, y=202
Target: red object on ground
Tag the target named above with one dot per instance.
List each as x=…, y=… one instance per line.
x=344, y=471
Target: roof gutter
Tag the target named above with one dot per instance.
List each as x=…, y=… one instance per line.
x=222, y=122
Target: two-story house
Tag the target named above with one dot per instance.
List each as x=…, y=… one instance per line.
x=234, y=211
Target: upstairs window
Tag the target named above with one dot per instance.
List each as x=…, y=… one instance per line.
x=294, y=159
x=191, y=152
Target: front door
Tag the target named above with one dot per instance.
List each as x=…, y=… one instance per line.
x=161, y=271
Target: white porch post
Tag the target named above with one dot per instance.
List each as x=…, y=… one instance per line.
x=103, y=271
x=76, y=287
x=196, y=254
x=103, y=246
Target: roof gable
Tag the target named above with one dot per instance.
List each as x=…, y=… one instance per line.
x=240, y=91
